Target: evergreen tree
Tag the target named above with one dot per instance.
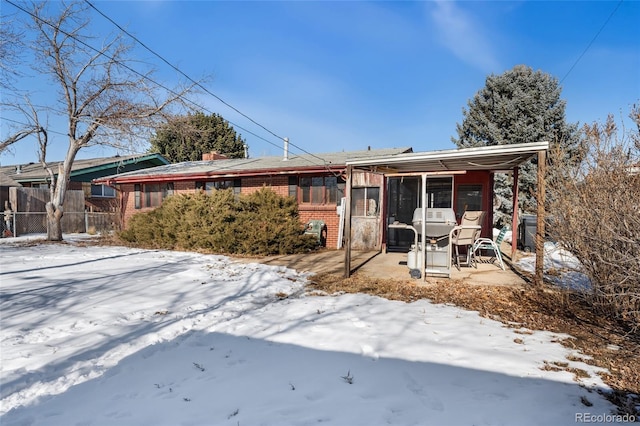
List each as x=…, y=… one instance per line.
x=186, y=138
x=519, y=106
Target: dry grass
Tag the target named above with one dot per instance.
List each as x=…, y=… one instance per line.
x=609, y=345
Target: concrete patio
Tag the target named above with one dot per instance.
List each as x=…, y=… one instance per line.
x=391, y=266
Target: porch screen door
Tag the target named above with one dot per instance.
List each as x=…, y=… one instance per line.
x=403, y=197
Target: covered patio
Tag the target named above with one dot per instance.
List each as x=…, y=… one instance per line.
x=460, y=166
x=389, y=266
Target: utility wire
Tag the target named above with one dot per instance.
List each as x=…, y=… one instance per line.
x=195, y=82
x=178, y=70
x=28, y=125
x=592, y=41
x=146, y=77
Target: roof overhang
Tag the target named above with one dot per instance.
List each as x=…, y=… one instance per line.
x=217, y=174
x=494, y=158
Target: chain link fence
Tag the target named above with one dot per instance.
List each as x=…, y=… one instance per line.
x=20, y=223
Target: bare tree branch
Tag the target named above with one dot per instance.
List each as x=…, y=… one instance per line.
x=105, y=100
x=18, y=136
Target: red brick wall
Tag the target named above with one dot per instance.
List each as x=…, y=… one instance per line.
x=278, y=184
x=325, y=213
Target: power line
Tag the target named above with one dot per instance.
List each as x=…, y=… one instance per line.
x=30, y=125
x=193, y=81
x=592, y=41
x=146, y=77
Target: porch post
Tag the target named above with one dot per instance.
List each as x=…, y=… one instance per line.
x=542, y=167
x=347, y=223
x=423, y=230
x=514, y=216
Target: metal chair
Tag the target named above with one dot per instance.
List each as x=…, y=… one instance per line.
x=466, y=235
x=489, y=244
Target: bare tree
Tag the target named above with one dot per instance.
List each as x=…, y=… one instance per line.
x=596, y=216
x=11, y=46
x=104, y=99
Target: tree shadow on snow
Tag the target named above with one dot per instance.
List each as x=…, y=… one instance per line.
x=203, y=378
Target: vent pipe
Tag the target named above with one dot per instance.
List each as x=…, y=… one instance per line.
x=286, y=149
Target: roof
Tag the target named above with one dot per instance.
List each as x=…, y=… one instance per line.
x=85, y=169
x=7, y=181
x=492, y=158
x=260, y=166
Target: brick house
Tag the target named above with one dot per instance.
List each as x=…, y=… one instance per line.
x=381, y=188
x=316, y=181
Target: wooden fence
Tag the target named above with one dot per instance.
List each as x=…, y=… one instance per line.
x=30, y=213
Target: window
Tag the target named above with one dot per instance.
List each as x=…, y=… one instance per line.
x=102, y=191
x=293, y=186
x=151, y=195
x=220, y=184
x=469, y=198
x=319, y=189
x=365, y=201
x=137, y=200
x=439, y=192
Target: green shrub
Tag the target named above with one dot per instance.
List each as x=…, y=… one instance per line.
x=261, y=223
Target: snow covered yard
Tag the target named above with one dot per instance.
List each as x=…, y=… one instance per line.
x=107, y=335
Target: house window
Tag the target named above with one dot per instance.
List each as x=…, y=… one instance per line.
x=319, y=190
x=151, y=195
x=137, y=197
x=439, y=192
x=102, y=191
x=208, y=187
x=365, y=201
x=469, y=198
x=293, y=186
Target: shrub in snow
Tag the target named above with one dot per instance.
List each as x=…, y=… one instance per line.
x=261, y=223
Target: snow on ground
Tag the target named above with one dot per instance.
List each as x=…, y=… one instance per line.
x=560, y=267
x=118, y=336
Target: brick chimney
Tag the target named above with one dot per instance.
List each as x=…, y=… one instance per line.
x=213, y=155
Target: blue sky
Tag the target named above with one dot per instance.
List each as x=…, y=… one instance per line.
x=335, y=76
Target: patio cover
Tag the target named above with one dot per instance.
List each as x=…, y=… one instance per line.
x=495, y=158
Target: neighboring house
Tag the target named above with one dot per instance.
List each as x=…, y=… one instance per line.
x=316, y=180
x=97, y=197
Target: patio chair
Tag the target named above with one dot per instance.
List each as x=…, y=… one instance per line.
x=489, y=244
x=466, y=235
